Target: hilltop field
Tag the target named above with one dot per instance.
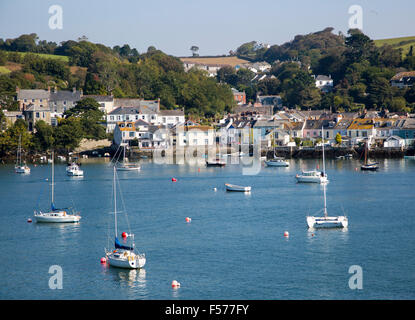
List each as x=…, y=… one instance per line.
x=403, y=43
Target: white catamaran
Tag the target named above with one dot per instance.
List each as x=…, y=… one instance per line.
x=326, y=221
x=123, y=256
x=20, y=167
x=56, y=215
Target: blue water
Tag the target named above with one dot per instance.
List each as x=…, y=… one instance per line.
x=233, y=248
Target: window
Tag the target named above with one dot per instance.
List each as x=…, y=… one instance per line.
x=164, y=119
x=177, y=119
x=40, y=100
x=33, y=100
x=357, y=133
x=364, y=134
x=194, y=141
x=64, y=102
x=111, y=117
x=327, y=134
x=206, y=141
x=131, y=134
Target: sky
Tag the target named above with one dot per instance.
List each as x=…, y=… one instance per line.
x=215, y=26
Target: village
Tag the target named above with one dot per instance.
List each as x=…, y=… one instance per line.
x=146, y=126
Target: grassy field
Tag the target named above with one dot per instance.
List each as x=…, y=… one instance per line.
x=4, y=70
x=228, y=60
x=403, y=43
x=47, y=56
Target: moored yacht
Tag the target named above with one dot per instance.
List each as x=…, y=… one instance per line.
x=325, y=221
x=312, y=176
x=56, y=215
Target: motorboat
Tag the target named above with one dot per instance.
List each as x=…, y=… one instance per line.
x=215, y=163
x=73, y=170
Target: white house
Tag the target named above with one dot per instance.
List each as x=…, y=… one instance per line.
x=193, y=136
x=394, y=142
x=324, y=83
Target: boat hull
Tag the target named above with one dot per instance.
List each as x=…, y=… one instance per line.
x=327, y=222
x=128, y=168
x=126, y=262
x=369, y=168
x=215, y=164
x=276, y=163
x=22, y=169
x=77, y=173
x=230, y=187
x=311, y=179
x=51, y=219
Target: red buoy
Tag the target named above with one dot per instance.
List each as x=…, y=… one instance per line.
x=103, y=260
x=174, y=179
x=29, y=220
x=188, y=219
x=124, y=234
x=175, y=284
x=286, y=234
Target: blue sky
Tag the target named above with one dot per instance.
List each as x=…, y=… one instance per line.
x=215, y=26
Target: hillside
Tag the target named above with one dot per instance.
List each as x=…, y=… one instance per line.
x=403, y=43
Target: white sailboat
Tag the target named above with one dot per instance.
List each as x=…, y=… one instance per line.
x=20, y=167
x=125, y=166
x=55, y=215
x=123, y=256
x=326, y=221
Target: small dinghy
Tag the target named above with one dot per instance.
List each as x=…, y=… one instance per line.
x=232, y=187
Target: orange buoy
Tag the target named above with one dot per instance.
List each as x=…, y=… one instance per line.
x=174, y=179
x=103, y=260
x=175, y=284
x=286, y=234
x=188, y=219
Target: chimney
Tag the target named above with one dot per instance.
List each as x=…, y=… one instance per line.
x=73, y=89
x=49, y=89
x=17, y=89
x=56, y=89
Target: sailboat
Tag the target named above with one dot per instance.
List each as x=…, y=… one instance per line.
x=19, y=167
x=123, y=256
x=276, y=162
x=368, y=166
x=326, y=221
x=125, y=166
x=56, y=215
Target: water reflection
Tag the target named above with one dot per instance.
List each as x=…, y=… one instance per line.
x=134, y=280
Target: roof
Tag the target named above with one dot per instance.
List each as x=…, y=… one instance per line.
x=65, y=95
x=100, y=98
x=127, y=102
x=269, y=100
x=401, y=75
x=323, y=77
x=125, y=110
x=141, y=123
x=177, y=112
x=33, y=94
x=361, y=124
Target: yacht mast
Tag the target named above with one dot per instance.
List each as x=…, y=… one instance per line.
x=53, y=174
x=115, y=204
x=324, y=173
